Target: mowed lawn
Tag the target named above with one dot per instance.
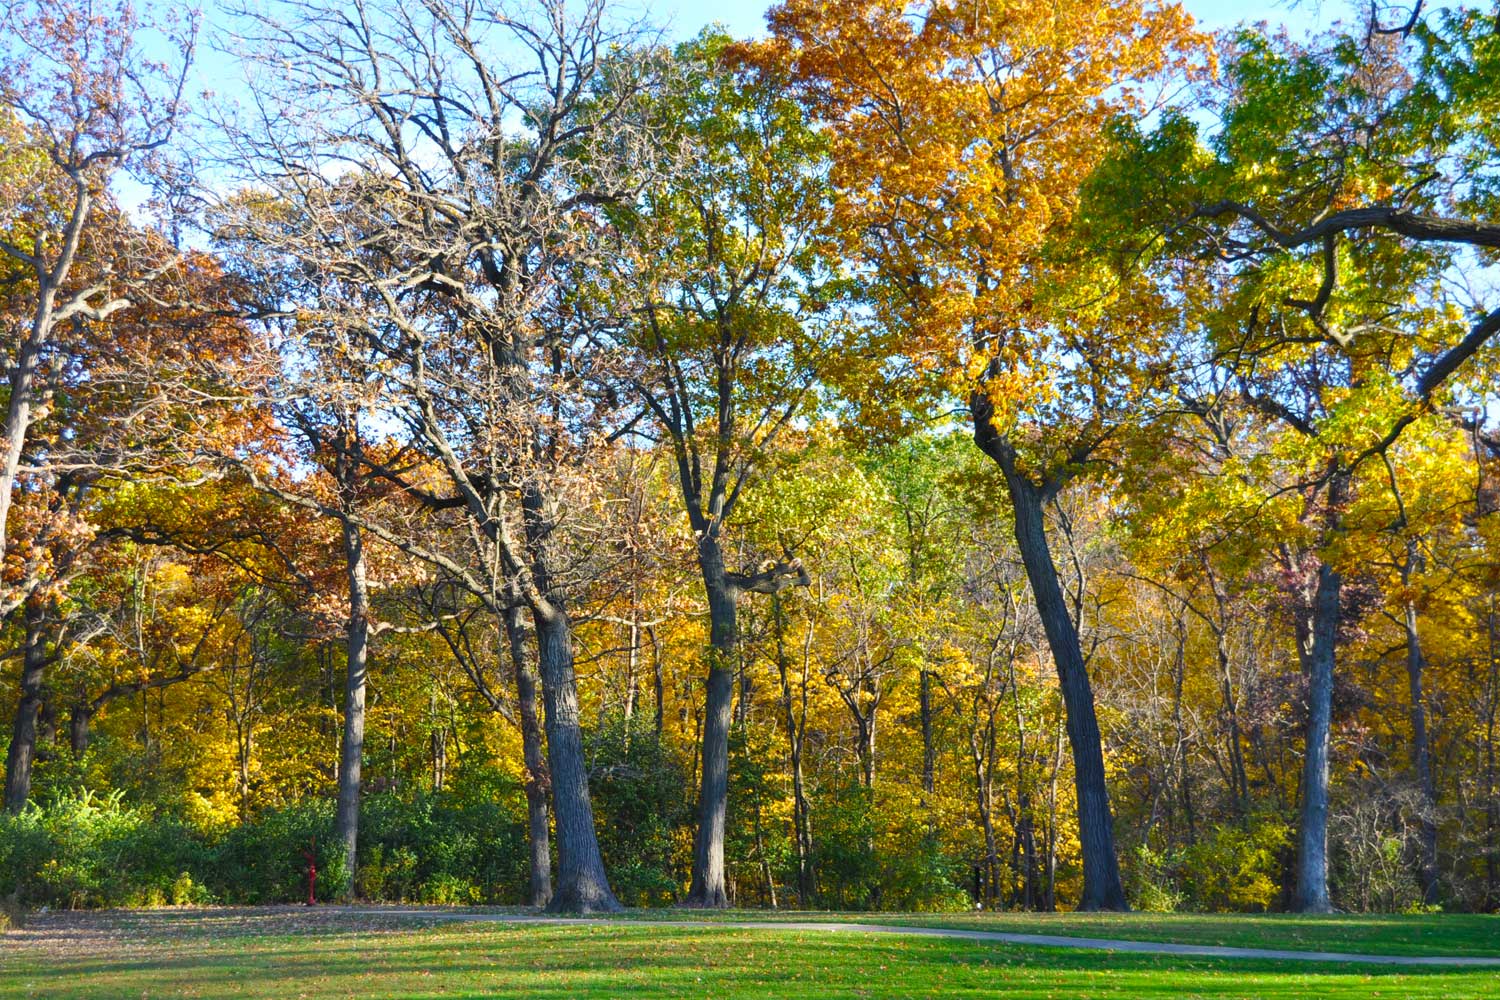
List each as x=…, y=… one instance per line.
x=1386, y=934
x=325, y=954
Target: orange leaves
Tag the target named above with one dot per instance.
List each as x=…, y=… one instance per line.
x=962, y=134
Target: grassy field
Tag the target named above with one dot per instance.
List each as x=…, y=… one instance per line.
x=1385, y=934
x=325, y=955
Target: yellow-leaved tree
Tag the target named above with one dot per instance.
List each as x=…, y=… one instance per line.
x=962, y=135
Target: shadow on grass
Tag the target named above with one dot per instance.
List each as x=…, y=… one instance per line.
x=281, y=955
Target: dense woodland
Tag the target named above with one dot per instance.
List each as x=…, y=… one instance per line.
x=935, y=455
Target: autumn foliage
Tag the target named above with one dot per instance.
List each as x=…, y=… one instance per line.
x=934, y=455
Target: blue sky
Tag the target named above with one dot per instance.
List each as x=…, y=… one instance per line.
x=216, y=73
x=747, y=17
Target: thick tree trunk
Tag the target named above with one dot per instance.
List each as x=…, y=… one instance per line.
x=1102, y=888
x=356, y=652
x=582, y=885
x=537, y=781
x=22, y=753
x=1311, y=894
x=708, y=888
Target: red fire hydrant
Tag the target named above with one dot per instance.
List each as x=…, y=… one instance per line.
x=312, y=873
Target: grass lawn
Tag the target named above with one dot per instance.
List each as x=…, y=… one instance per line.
x=1384, y=934
x=245, y=953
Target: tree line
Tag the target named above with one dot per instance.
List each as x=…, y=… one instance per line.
x=1034, y=457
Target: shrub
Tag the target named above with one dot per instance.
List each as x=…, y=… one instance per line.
x=919, y=878
x=1150, y=881
x=467, y=845
x=1371, y=865
x=264, y=860
x=1236, y=868
x=637, y=786
x=81, y=850
x=844, y=849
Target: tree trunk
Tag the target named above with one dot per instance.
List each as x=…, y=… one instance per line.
x=1239, y=778
x=582, y=885
x=537, y=782
x=708, y=889
x=795, y=728
x=1311, y=894
x=1491, y=792
x=929, y=749
x=865, y=723
x=22, y=753
x=356, y=648
x=1025, y=818
x=1102, y=889
x=1049, y=896
x=79, y=719
x=984, y=794
x=657, y=693
x=1416, y=662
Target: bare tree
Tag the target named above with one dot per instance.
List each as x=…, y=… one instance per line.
x=442, y=168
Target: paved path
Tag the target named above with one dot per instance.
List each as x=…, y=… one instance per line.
x=1004, y=937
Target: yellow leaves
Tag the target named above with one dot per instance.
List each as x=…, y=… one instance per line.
x=960, y=141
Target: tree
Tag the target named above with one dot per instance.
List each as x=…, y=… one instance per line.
x=80, y=102
x=961, y=138
x=447, y=245
x=726, y=267
x=1350, y=180
x=125, y=398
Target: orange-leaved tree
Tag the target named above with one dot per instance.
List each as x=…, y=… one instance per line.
x=962, y=135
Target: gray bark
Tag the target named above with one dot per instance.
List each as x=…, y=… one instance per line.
x=78, y=729
x=351, y=754
x=1311, y=894
x=582, y=886
x=1102, y=888
x=708, y=885
x=538, y=839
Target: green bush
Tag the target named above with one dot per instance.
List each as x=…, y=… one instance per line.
x=1151, y=882
x=81, y=850
x=867, y=859
x=637, y=786
x=264, y=860
x=920, y=879
x=1236, y=869
x=466, y=845
x=848, y=869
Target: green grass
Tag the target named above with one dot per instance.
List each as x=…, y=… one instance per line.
x=240, y=954
x=1382, y=934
